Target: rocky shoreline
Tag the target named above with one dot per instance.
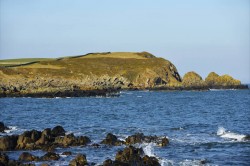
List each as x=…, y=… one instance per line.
x=50, y=139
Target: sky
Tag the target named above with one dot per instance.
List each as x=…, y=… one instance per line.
x=195, y=35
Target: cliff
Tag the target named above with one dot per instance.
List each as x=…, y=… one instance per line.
x=96, y=74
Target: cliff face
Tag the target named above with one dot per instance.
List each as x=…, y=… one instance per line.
x=90, y=72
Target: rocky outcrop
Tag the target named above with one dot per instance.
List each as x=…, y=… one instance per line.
x=140, y=138
x=112, y=140
x=132, y=156
x=193, y=81
x=80, y=159
x=47, y=140
x=213, y=80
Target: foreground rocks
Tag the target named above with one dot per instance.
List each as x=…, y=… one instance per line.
x=47, y=140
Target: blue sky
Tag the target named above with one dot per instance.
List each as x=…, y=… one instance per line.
x=195, y=35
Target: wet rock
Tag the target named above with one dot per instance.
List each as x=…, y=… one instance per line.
x=140, y=138
x=112, y=140
x=58, y=131
x=44, y=164
x=163, y=142
x=8, y=142
x=80, y=160
x=46, y=137
x=108, y=162
x=27, y=139
x=50, y=156
x=246, y=138
x=4, y=159
x=136, y=138
x=67, y=153
x=25, y=156
x=3, y=127
x=71, y=140
x=95, y=145
x=129, y=155
x=150, y=161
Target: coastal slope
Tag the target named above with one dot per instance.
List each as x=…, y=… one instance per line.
x=96, y=74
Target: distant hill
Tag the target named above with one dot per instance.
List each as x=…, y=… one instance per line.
x=90, y=72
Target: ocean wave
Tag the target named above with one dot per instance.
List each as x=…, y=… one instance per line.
x=230, y=135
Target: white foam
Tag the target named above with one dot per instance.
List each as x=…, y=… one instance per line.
x=11, y=129
x=190, y=163
x=166, y=162
x=149, y=149
x=229, y=135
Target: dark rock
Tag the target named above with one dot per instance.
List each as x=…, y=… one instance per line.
x=3, y=127
x=80, y=160
x=4, y=159
x=25, y=156
x=8, y=142
x=50, y=156
x=58, y=131
x=130, y=155
x=150, y=161
x=136, y=138
x=140, y=138
x=71, y=140
x=95, y=145
x=246, y=138
x=27, y=139
x=133, y=156
x=112, y=140
x=67, y=153
x=164, y=142
x=108, y=162
x=46, y=137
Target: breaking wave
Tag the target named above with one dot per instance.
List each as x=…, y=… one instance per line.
x=230, y=135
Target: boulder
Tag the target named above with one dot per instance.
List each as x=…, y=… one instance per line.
x=130, y=155
x=80, y=160
x=25, y=156
x=140, y=138
x=27, y=139
x=150, y=161
x=58, y=131
x=133, y=156
x=46, y=137
x=3, y=127
x=112, y=140
x=108, y=162
x=8, y=142
x=50, y=156
x=71, y=140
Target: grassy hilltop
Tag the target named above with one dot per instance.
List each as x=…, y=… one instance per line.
x=95, y=71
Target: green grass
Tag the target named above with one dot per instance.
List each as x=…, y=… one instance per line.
x=22, y=61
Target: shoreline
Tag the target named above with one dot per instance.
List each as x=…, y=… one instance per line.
x=112, y=92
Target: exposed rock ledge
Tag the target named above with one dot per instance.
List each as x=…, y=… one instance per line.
x=101, y=74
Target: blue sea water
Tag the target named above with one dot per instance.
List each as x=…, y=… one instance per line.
x=201, y=126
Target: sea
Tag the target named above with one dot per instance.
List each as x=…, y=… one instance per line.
x=203, y=127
